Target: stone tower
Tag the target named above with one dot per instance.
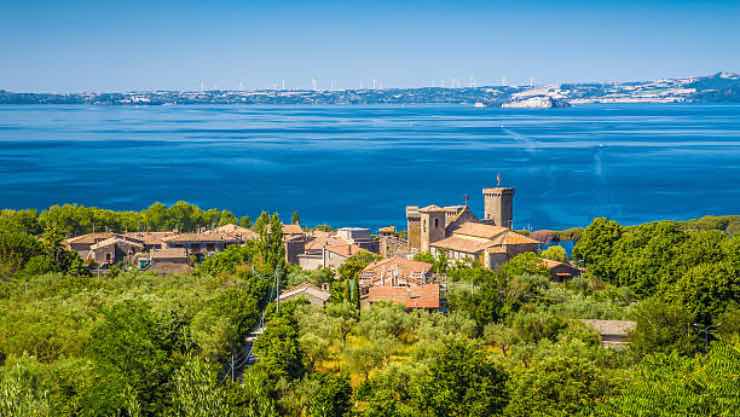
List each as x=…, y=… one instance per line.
x=498, y=206
x=413, y=227
x=432, y=226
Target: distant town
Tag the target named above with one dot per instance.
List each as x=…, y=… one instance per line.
x=718, y=88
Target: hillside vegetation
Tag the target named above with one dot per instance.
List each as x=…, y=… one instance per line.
x=511, y=343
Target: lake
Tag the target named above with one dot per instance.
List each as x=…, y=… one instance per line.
x=360, y=165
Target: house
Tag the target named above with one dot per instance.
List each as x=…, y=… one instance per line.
x=292, y=230
x=330, y=250
x=201, y=244
x=329, y=256
x=560, y=271
x=395, y=272
x=168, y=261
x=614, y=333
x=81, y=244
x=237, y=231
x=425, y=297
x=315, y=295
x=400, y=280
x=490, y=245
x=359, y=236
x=115, y=249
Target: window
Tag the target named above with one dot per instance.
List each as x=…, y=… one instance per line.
x=436, y=223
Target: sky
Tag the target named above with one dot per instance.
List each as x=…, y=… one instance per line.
x=106, y=45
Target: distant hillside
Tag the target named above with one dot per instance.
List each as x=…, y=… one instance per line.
x=718, y=88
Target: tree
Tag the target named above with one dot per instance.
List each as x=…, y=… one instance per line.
x=527, y=263
x=595, y=245
x=671, y=385
x=555, y=253
x=295, y=218
x=128, y=340
x=278, y=350
x=270, y=243
x=707, y=290
x=662, y=327
x=561, y=380
x=197, y=392
x=333, y=396
x=461, y=381
x=352, y=267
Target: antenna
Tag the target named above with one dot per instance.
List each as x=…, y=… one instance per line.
x=498, y=179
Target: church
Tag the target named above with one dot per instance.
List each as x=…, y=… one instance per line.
x=458, y=233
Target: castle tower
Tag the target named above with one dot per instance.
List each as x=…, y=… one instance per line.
x=498, y=206
x=413, y=227
x=432, y=226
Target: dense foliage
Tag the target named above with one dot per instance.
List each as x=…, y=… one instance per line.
x=510, y=342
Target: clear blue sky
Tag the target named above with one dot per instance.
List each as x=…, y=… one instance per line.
x=106, y=45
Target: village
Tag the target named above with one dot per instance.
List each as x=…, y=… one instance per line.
x=453, y=233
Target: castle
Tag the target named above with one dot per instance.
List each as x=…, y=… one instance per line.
x=458, y=233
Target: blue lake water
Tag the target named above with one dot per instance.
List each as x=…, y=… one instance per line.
x=361, y=165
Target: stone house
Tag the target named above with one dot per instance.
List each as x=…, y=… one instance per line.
x=201, y=244
x=168, y=261
x=614, y=333
x=489, y=245
x=425, y=297
x=329, y=256
x=560, y=271
x=400, y=280
x=115, y=249
x=315, y=295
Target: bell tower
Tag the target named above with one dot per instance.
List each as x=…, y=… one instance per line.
x=498, y=206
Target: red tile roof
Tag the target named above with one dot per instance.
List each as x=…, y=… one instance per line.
x=426, y=296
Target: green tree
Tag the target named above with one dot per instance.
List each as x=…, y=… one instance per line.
x=129, y=340
x=595, y=245
x=561, y=380
x=278, y=350
x=663, y=327
x=333, y=398
x=555, y=253
x=462, y=381
x=295, y=218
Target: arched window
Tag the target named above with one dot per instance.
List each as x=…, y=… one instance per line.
x=436, y=223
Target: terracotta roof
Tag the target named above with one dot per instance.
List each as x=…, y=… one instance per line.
x=426, y=296
x=209, y=236
x=237, y=231
x=319, y=242
x=304, y=288
x=404, y=266
x=117, y=239
x=612, y=327
x=496, y=249
x=90, y=238
x=346, y=250
x=169, y=253
x=463, y=244
x=480, y=230
x=292, y=229
x=387, y=229
x=513, y=238
x=150, y=238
